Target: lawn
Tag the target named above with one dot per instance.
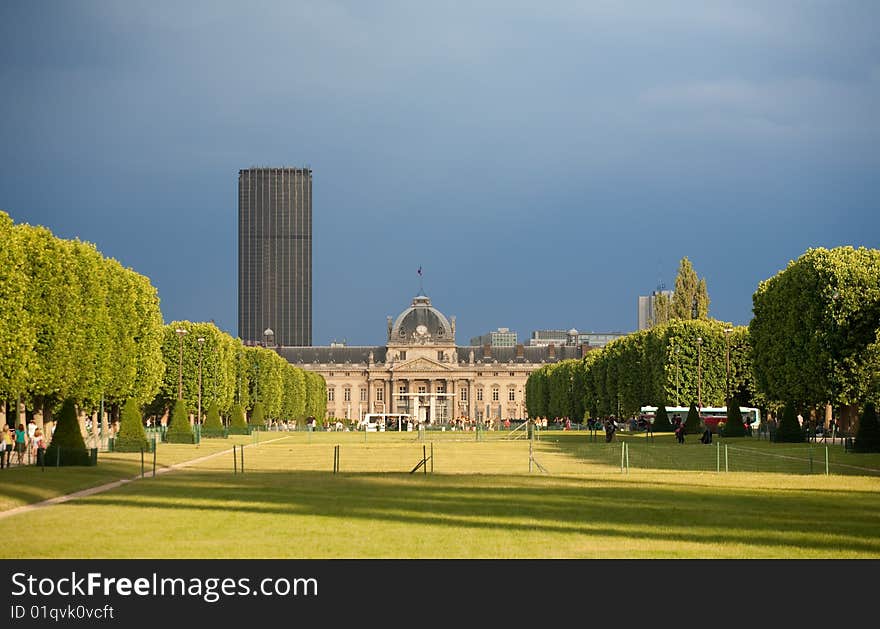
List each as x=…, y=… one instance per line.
x=480, y=501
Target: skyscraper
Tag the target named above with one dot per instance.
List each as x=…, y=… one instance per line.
x=275, y=255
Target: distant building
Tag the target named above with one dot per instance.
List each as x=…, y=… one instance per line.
x=543, y=338
x=421, y=371
x=502, y=337
x=646, y=307
x=275, y=256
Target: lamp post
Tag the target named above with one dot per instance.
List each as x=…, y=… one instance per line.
x=700, y=372
x=180, y=333
x=727, y=333
x=201, y=341
x=677, y=401
x=268, y=338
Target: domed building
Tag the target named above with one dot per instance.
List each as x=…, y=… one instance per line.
x=421, y=372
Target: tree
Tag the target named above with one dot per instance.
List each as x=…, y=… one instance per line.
x=690, y=300
x=238, y=424
x=734, y=426
x=868, y=435
x=661, y=420
x=131, y=436
x=662, y=309
x=67, y=446
x=789, y=430
x=814, y=326
x=213, y=427
x=258, y=417
x=180, y=430
x=693, y=424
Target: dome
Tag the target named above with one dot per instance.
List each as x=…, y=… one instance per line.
x=421, y=323
x=573, y=332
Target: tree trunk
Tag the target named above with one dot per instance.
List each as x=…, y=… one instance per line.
x=849, y=418
x=829, y=414
x=81, y=417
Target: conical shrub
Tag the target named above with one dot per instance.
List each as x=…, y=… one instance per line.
x=734, y=426
x=789, y=430
x=693, y=424
x=661, y=420
x=180, y=430
x=131, y=436
x=213, y=426
x=238, y=425
x=868, y=435
x=258, y=416
x=67, y=446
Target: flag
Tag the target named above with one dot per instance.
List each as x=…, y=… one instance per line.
x=420, y=271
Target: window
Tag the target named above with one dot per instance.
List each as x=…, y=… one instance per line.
x=330, y=374
x=380, y=394
x=511, y=395
x=513, y=374
x=363, y=395
x=479, y=395
x=331, y=394
x=401, y=390
x=440, y=356
x=402, y=355
x=441, y=388
x=423, y=389
x=495, y=374
x=494, y=394
x=464, y=395
x=346, y=394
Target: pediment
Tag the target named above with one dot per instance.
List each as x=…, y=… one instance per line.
x=422, y=364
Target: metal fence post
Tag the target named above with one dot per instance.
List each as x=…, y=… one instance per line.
x=718, y=457
x=234, y=459
x=626, y=449
x=726, y=468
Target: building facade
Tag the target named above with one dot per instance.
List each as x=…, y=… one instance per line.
x=275, y=255
x=502, y=337
x=646, y=307
x=420, y=371
x=541, y=338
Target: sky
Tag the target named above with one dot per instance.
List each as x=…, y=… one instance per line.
x=544, y=163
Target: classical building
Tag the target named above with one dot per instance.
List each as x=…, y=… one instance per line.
x=275, y=255
x=421, y=371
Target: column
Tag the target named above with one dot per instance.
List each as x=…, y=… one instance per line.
x=432, y=387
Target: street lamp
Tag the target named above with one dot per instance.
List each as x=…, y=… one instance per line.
x=268, y=337
x=727, y=333
x=700, y=371
x=677, y=401
x=180, y=333
x=201, y=341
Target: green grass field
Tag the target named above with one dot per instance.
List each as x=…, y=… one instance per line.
x=480, y=501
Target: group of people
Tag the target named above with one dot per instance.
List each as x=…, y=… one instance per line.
x=22, y=445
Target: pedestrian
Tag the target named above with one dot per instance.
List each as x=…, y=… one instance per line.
x=20, y=443
x=6, y=447
x=707, y=436
x=39, y=446
x=679, y=432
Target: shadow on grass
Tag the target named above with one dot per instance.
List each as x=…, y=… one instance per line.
x=844, y=521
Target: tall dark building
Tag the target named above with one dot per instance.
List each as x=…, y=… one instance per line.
x=275, y=255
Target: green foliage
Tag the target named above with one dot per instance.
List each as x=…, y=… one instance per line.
x=258, y=416
x=789, y=430
x=131, y=436
x=68, y=438
x=238, y=424
x=868, y=435
x=734, y=426
x=814, y=326
x=180, y=430
x=690, y=300
x=693, y=424
x=661, y=420
x=213, y=426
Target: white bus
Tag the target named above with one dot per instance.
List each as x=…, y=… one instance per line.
x=710, y=415
x=380, y=422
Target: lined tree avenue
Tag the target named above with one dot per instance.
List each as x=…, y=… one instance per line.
x=80, y=328
x=814, y=342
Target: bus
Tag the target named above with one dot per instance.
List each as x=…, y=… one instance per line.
x=710, y=415
x=379, y=422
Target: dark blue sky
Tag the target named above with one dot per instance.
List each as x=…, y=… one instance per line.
x=545, y=163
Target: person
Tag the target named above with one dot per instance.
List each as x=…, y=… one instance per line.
x=609, y=430
x=39, y=445
x=567, y=424
x=20, y=443
x=707, y=436
x=6, y=447
x=679, y=432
